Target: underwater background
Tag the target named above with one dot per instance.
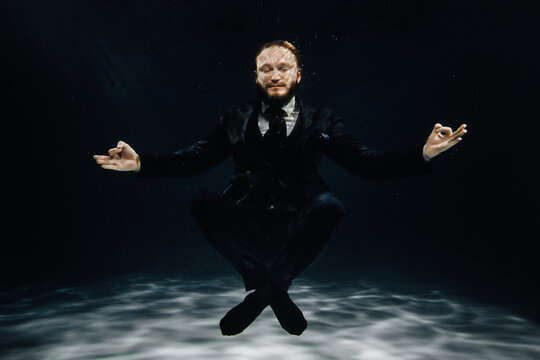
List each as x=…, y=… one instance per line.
x=100, y=264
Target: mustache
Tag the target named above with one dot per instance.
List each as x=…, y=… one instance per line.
x=262, y=92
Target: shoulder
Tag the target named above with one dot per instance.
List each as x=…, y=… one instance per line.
x=235, y=117
x=322, y=114
x=241, y=110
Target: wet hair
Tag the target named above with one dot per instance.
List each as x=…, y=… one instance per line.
x=286, y=45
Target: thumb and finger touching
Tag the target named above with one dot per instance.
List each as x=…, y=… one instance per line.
x=115, y=151
x=119, y=158
x=442, y=138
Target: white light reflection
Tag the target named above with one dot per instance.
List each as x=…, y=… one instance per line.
x=175, y=319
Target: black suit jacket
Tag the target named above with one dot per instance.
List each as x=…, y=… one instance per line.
x=286, y=180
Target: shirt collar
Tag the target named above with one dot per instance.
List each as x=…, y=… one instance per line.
x=288, y=107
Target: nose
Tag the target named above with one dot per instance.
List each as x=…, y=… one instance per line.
x=275, y=75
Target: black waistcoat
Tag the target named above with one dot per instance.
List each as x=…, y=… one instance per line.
x=273, y=180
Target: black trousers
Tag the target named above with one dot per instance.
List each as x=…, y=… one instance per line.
x=267, y=245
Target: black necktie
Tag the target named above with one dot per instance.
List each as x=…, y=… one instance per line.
x=276, y=135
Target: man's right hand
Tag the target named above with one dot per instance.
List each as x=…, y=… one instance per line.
x=120, y=158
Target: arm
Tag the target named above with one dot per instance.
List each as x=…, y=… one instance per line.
x=194, y=160
x=345, y=150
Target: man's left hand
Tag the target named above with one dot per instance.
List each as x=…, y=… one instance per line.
x=441, y=139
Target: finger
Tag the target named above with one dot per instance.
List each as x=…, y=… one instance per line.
x=114, y=151
x=449, y=144
x=109, y=161
x=444, y=129
x=116, y=163
x=102, y=157
x=452, y=143
x=460, y=130
x=457, y=133
x=109, y=167
x=461, y=127
x=105, y=160
x=437, y=126
x=121, y=144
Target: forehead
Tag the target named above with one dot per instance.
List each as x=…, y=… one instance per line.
x=275, y=55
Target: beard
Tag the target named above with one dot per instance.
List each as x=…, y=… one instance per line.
x=278, y=101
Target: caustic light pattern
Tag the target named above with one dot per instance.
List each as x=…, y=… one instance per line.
x=139, y=318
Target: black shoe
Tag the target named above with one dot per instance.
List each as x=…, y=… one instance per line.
x=290, y=317
x=242, y=315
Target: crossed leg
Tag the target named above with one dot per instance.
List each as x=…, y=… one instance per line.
x=269, y=250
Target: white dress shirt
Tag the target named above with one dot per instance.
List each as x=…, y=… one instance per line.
x=290, y=119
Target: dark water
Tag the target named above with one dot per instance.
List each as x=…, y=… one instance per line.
x=141, y=318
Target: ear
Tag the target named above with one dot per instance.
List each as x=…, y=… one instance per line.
x=298, y=75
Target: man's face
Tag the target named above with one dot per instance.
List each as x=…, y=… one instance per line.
x=277, y=73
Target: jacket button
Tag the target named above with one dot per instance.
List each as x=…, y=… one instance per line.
x=271, y=207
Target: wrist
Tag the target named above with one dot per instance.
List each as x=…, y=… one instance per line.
x=138, y=162
x=426, y=156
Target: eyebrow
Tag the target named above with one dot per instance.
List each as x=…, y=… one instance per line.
x=280, y=64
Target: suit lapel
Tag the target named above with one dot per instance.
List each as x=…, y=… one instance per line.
x=244, y=119
x=251, y=133
x=303, y=122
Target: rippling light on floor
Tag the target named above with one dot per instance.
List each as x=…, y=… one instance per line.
x=176, y=319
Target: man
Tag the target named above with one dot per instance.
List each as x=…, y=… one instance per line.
x=277, y=214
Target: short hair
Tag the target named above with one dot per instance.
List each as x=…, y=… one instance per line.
x=286, y=45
